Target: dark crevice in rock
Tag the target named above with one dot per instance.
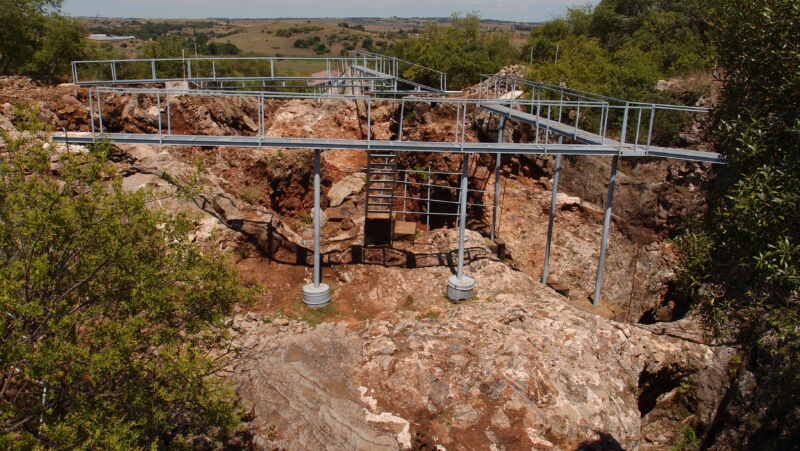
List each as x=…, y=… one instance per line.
x=674, y=307
x=654, y=384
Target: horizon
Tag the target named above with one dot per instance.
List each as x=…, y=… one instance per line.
x=519, y=11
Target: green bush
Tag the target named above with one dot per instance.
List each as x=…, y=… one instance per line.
x=109, y=311
x=746, y=271
x=461, y=49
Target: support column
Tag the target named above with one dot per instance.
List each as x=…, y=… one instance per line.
x=497, y=166
x=459, y=286
x=317, y=294
x=551, y=222
x=612, y=181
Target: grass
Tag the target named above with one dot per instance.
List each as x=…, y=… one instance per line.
x=299, y=311
x=686, y=440
x=433, y=314
x=251, y=194
x=314, y=316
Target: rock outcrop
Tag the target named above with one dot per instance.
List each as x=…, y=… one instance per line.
x=515, y=368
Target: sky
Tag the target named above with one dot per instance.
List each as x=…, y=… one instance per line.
x=515, y=10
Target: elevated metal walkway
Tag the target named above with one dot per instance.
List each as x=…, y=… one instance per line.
x=586, y=137
x=544, y=111
x=359, y=70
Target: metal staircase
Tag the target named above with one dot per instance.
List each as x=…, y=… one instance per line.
x=381, y=184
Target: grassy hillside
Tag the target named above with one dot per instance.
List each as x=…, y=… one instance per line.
x=279, y=37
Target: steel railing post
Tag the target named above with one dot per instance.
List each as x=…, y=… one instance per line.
x=547, y=130
x=169, y=121
x=405, y=193
x=91, y=114
x=428, y=211
x=638, y=126
x=100, y=112
x=650, y=128
x=400, y=125
x=624, y=129
x=158, y=106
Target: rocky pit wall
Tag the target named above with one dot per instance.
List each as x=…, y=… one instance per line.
x=515, y=368
x=394, y=363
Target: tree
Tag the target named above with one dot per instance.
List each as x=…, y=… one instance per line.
x=744, y=266
x=61, y=44
x=462, y=50
x=21, y=25
x=108, y=311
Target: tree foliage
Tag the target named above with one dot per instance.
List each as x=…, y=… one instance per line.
x=36, y=41
x=107, y=310
x=744, y=266
x=461, y=49
x=621, y=47
x=62, y=42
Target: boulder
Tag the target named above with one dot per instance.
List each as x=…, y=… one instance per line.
x=352, y=184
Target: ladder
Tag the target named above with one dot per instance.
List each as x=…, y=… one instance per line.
x=380, y=188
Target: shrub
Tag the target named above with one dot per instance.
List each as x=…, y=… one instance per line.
x=108, y=311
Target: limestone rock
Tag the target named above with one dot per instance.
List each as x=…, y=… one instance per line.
x=352, y=184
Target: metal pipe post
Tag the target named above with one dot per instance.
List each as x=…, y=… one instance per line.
x=612, y=181
x=316, y=294
x=459, y=286
x=317, y=216
x=497, y=166
x=552, y=219
x=462, y=223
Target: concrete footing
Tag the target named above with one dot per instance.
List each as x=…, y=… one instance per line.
x=317, y=296
x=458, y=290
